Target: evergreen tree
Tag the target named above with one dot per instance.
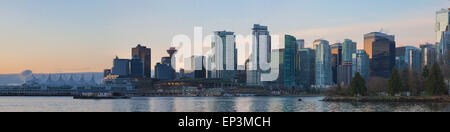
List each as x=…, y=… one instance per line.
x=358, y=86
x=425, y=72
x=435, y=84
x=415, y=83
x=395, y=84
x=405, y=77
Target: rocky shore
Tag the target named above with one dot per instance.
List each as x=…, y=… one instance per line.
x=442, y=99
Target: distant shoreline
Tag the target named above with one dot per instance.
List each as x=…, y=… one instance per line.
x=436, y=99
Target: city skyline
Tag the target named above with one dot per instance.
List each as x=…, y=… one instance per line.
x=58, y=37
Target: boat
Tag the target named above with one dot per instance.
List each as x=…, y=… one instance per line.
x=100, y=95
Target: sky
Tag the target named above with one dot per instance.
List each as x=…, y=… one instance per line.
x=63, y=36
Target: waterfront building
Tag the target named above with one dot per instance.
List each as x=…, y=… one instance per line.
x=442, y=23
x=164, y=72
x=307, y=68
x=345, y=69
x=121, y=67
x=324, y=74
x=361, y=64
x=428, y=55
x=261, y=51
x=290, y=59
x=381, y=50
x=144, y=54
x=224, y=57
x=336, y=60
x=408, y=57
x=137, y=67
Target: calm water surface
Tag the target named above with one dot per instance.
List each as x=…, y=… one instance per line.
x=207, y=104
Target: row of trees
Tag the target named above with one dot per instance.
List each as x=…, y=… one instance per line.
x=429, y=82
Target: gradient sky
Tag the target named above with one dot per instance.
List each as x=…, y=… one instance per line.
x=55, y=36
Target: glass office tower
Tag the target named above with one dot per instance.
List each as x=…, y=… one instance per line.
x=442, y=23
x=336, y=60
x=381, y=50
x=345, y=69
x=306, y=74
x=324, y=74
x=290, y=59
x=408, y=57
x=361, y=64
x=428, y=54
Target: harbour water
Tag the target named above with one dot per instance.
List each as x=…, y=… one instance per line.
x=207, y=104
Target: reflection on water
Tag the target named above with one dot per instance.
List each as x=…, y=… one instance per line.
x=208, y=104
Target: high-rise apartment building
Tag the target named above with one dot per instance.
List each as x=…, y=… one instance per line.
x=224, y=57
x=260, y=55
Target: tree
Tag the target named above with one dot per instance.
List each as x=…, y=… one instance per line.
x=395, y=84
x=425, y=72
x=358, y=86
x=435, y=84
x=405, y=78
x=415, y=84
x=377, y=85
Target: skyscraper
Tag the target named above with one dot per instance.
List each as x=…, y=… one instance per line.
x=442, y=23
x=336, y=60
x=445, y=43
x=428, y=54
x=301, y=44
x=345, y=70
x=408, y=57
x=348, y=49
x=261, y=49
x=137, y=67
x=307, y=68
x=381, y=50
x=145, y=54
x=324, y=74
x=165, y=70
x=121, y=67
x=224, y=56
x=361, y=64
x=290, y=59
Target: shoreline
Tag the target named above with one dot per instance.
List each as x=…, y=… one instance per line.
x=388, y=99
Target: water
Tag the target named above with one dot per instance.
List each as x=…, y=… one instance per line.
x=206, y=104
